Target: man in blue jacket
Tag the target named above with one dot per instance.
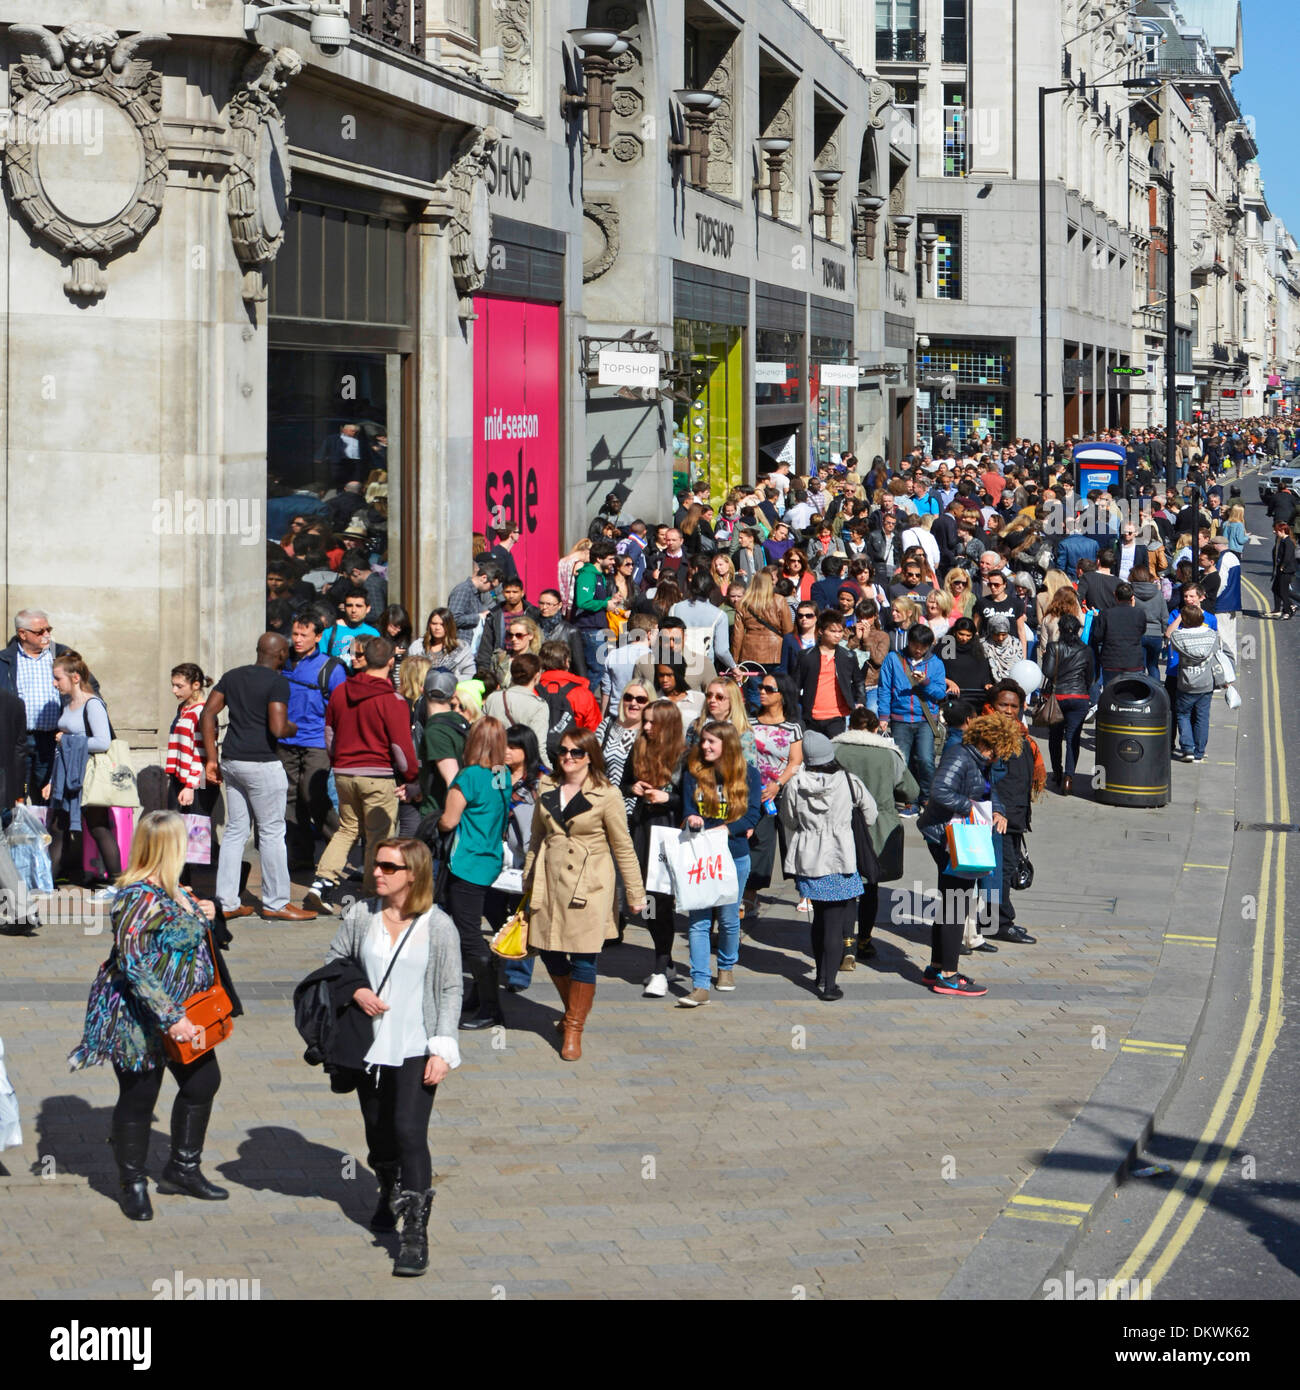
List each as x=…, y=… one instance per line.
x=312, y=677
x=912, y=683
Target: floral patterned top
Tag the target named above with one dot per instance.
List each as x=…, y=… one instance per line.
x=160, y=957
x=773, y=743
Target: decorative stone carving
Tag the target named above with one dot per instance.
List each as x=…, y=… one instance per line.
x=89, y=196
x=722, y=133
x=626, y=148
x=880, y=97
x=257, y=194
x=470, y=220
x=510, y=28
x=600, y=237
x=627, y=102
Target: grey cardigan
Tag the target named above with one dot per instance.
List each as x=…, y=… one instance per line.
x=442, y=980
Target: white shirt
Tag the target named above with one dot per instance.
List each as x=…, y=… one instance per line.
x=619, y=665
x=779, y=480
x=399, y=1033
x=800, y=515
x=918, y=535
x=351, y=446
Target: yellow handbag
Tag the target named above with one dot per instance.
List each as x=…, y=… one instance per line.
x=511, y=942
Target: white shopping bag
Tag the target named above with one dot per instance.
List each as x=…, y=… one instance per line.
x=981, y=813
x=1233, y=696
x=702, y=870
x=657, y=877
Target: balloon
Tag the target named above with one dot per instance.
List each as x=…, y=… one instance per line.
x=1028, y=675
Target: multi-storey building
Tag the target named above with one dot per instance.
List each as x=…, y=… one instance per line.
x=272, y=262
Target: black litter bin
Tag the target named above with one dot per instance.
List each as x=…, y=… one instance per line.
x=1133, y=749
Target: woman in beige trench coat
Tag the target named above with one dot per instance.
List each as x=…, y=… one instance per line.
x=579, y=837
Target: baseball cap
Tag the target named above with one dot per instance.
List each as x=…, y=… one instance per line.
x=441, y=685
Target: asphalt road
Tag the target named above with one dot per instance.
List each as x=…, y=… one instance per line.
x=1224, y=1221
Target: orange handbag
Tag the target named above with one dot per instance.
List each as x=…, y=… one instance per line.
x=210, y=1011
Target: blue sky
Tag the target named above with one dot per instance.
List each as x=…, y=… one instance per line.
x=1266, y=90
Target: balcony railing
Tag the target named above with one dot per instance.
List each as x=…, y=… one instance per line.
x=396, y=23
x=1242, y=359
x=900, y=46
x=1206, y=69
x=1218, y=352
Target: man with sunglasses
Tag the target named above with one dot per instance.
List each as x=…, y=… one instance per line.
x=27, y=670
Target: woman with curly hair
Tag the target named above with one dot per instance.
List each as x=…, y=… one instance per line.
x=1062, y=603
x=963, y=778
x=1018, y=781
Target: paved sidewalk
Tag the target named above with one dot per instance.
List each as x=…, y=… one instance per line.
x=767, y=1146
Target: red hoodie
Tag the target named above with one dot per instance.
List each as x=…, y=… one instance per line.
x=586, y=712
x=368, y=730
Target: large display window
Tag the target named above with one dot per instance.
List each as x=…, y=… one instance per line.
x=832, y=426
x=709, y=429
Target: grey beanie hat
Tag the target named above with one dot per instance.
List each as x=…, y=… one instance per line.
x=817, y=749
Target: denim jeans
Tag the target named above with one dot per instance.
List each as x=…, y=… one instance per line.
x=1194, y=722
x=916, y=743
x=1067, y=734
x=254, y=791
x=594, y=645
x=872, y=699
x=728, y=932
x=1152, y=647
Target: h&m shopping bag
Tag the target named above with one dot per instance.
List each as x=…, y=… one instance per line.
x=702, y=870
x=198, y=838
x=123, y=818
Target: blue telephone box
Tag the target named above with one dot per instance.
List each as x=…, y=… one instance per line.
x=1099, y=466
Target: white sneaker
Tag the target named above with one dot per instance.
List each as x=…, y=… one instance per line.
x=656, y=987
x=804, y=905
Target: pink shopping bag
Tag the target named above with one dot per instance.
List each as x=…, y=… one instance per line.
x=124, y=823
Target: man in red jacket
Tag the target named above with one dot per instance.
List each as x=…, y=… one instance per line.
x=368, y=738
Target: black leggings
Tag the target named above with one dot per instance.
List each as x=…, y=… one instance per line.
x=396, y=1106
x=137, y=1091
x=868, y=906
x=465, y=907
x=661, y=927
x=832, y=932
x=950, y=919
x=99, y=822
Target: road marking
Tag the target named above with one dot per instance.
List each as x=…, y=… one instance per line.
x=1178, y=936
x=1148, y=1050
x=1222, y=868
x=1058, y=1218
x=1271, y=900
x=1021, y=1200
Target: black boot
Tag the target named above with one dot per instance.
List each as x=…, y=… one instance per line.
x=182, y=1173
x=383, y=1219
x=488, y=988
x=413, y=1208
x=131, y=1149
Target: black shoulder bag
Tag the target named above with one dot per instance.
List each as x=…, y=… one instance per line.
x=868, y=865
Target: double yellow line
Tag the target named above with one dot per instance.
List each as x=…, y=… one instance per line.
x=1260, y=1027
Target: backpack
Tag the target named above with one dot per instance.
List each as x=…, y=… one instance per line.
x=560, y=716
x=327, y=669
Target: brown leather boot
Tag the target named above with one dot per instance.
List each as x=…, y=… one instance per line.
x=581, y=994
x=561, y=983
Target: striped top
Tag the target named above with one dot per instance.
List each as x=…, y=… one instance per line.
x=185, y=747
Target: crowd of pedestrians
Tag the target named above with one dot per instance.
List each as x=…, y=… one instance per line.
x=804, y=667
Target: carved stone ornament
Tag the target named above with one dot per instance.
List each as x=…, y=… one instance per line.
x=470, y=224
x=257, y=191
x=600, y=239
x=85, y=161
x=509, y=25
x=879, y=99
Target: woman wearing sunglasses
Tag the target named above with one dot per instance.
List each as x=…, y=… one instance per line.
x=617, y=735
x=410, y=955
x=579, y=838
x=652, y=791
x=959, y=588
x=723, y=701
x=778, y=739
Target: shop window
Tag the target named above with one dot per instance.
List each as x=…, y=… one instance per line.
x=833, y=419
x=709, y=429
x=778, y=352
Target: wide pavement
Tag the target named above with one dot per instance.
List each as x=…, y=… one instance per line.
x=767, y=1146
